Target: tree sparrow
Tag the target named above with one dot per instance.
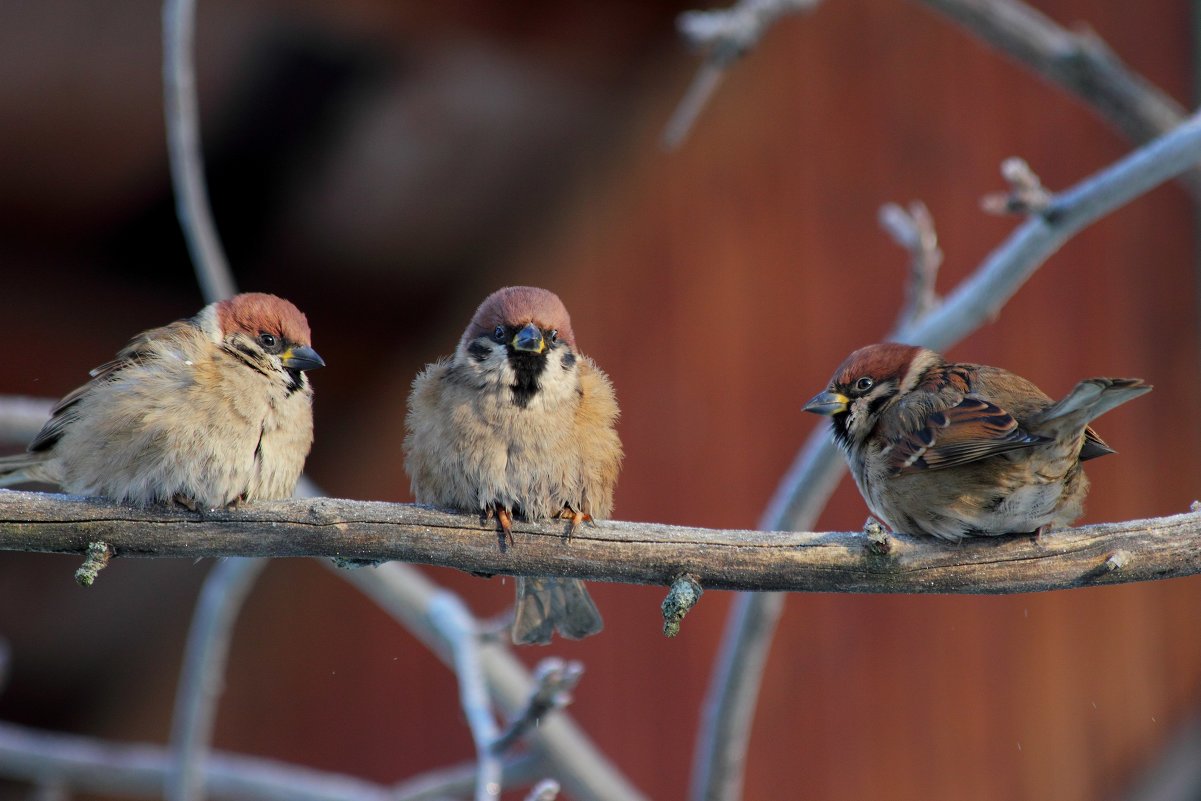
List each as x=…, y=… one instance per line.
x=964, y=450
x=518, y=422
x=206, y=412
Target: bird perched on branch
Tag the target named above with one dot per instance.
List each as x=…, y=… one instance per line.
x=964, y=450
x=519, y=422
x=206, y=412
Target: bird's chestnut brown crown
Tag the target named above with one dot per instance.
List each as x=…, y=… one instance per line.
x=874, y=364
x=256, y=313
x=514, y=306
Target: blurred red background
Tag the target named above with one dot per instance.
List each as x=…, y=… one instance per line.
x=386, y=165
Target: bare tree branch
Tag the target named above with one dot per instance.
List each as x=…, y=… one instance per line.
x=554, y=680
x=913, y=229
x=639, y=553
x=203, y=675
x=137, y=770
x=457, y=627
x=181, y=112
x=87, y=765
x=22, y=418
x=1079, y=62
x=725, y=35
x=546, y=790
x=405, y=593
x=804, y=490
x=459, y=780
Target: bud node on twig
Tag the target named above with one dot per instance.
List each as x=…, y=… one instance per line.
x=98, y=554
x=684, y=593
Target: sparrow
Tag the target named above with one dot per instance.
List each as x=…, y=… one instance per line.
x=519, y=423
x=964, y=450
x=205, y=412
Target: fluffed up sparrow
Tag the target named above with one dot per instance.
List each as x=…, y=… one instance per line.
x=519, y=422
x=207, y=412
x=964, y=450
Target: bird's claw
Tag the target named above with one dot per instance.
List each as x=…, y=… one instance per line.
x=567, y=513
x=179, y=499
x=503, y=517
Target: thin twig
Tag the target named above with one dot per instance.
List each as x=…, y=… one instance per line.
x=729, y=706
x=201, y=679
x=725, y=35
x=405, y=593
x=459, y=780
x=913, y=229
x=684, y=593
x=554, y=681
x=96, y=559
x=545, y=790
x=1079, y=62
x=456, y=625
x=182, y=114
x=1026, y=194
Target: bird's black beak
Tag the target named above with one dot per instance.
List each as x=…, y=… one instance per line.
x=301, y=357
x=828, y=403
x=529, y=339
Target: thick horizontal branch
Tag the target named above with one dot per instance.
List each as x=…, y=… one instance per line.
x=640, y=553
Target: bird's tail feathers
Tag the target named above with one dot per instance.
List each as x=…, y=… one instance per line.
x=1090, y=399
x=545, y=604
x=22, y=467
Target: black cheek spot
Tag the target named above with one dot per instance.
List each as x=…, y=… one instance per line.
x=568, y=360
x=838, y=424
x=877, y=403
x=295, y=380
x=478, y=351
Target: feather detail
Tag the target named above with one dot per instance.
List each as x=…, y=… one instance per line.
x=971, y=430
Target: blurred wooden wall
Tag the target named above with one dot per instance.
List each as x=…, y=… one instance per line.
x=718, y=285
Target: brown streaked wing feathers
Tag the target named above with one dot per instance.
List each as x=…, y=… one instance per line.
x=63, y=413
x=971, y=430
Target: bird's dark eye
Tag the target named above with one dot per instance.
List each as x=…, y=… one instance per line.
x=864, y=384
x=553, y=335
x=498, y=333
x=268, y=341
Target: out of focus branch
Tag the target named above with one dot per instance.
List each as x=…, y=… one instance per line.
x=913, y=229
x=458, y=628
x=138, y=770
x=724, y=35
x=182, y=116
x=202, y=677
x=1078, y=61
x=22, y=418
x=405, y=593
x=641, y=553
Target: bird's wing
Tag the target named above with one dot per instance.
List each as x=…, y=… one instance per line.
x=970, y=430
x=140, y=348
x=598, y=443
